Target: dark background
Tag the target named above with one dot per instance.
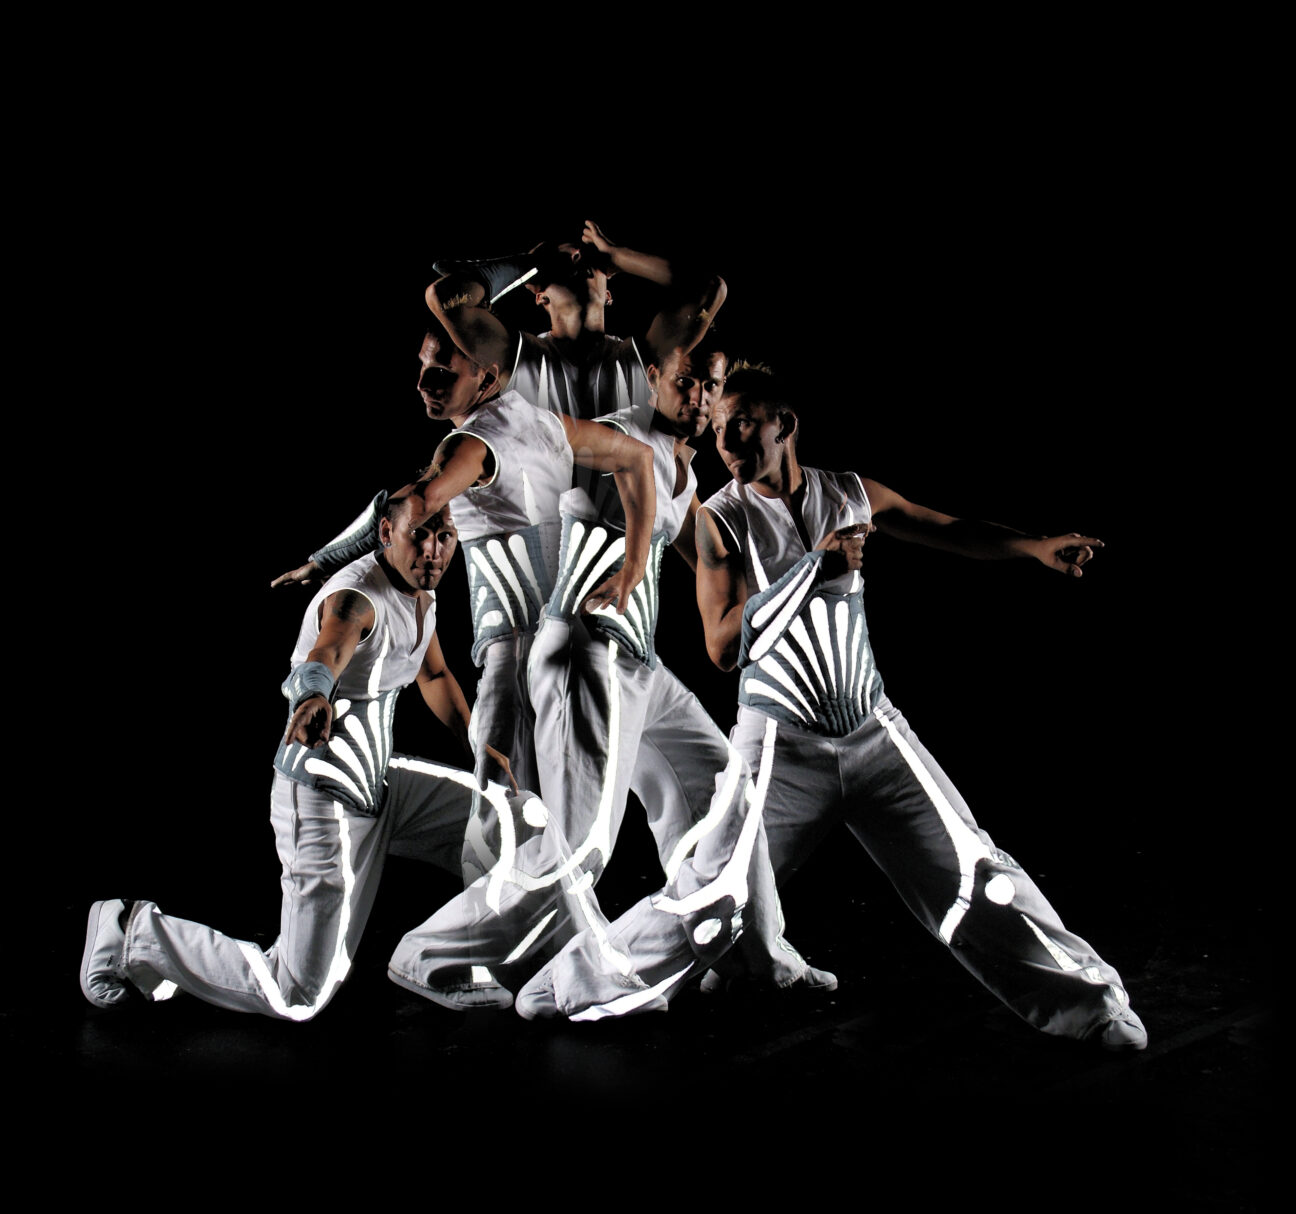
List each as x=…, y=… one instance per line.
x=1008, y=310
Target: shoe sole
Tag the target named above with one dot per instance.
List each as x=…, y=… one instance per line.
x=457, y=999
x=92, y=934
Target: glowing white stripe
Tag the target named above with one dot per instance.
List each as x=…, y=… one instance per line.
x=582, y=889
x=785, y=650
x=757, y=568
x=340, y=709
x=757, y=687
x=968, y=848
x=858, y=654
x=356, y=730
x=517, y=282
x=302, y=752
x=455, y=774
x=480, y=562
x=529, y=507
x=542, y=393
x=714, y=816
x=380, y=722
x=479, y=974
x=340, y=964
x=777, y=601
x=163, y=991
x=819, y=618
x=801, y=635
x=631, y=1002
x=851, y=674
x=375, y=675
x=492, y=618
x=1065, y=963
x=339, y=749
x=319, y=767
x=772, y=668
x=841, y=624
x=732, y=878
x=614, y=552
x=517, y=546
x=530, y=938
x=868, y=688
x=574, y=545
x=505, y=568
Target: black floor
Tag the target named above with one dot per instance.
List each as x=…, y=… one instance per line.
x=908, y=1079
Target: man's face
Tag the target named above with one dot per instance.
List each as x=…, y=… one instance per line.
x=746, y=438
x=688, y=389
x=449, y=381
x=419, y=555
x=572, y=274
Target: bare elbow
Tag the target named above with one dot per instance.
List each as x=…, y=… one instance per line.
x=723, y=654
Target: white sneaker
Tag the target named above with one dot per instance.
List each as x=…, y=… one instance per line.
x=101, y=979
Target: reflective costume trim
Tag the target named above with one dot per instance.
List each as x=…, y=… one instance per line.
x=508, y=585
x=805, y=657
x=590, y=554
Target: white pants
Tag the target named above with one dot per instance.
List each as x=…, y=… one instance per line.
x=892, y=795
x=605, y=724
x=332, y=862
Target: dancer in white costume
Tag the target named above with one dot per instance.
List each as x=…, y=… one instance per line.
x=623, y=721
x=575, y=367
x=505, y=466
x=342, y=801
x=781, y=596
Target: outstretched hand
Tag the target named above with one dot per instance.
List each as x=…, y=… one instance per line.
x=310, y=724
x=593, y=234
x=307, y=575
x=1067, y=553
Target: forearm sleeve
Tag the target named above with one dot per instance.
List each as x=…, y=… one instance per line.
x=357, y=540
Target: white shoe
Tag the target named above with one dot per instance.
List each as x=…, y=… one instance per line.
x=101, y=979
x=1124, y=1034
x=459, y=996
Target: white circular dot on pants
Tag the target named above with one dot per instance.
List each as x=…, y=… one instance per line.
x=534, y=812
x=1000, y=889
x=707, y=930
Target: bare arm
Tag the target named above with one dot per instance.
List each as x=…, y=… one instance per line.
x=347, y=618
x=442, y=694
x=460, y=462
x=894, y=515
x=695, y=297
x=606, y=449
x=459, y=302
x=686, y=542
x=721, y=592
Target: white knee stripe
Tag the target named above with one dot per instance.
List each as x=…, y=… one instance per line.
x=340, y=965
x=632, y=1001
x=968, y=847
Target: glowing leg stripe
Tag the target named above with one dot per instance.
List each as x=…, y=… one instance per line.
x=732, y=879
x=506, y=571
x=339, y=967
x=580, y=889
x=480, y=562
x=163, y=991
x=628, y=1003
x=1068, y=964
x=715, y=813
x=968, y=848
x=530, y=938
